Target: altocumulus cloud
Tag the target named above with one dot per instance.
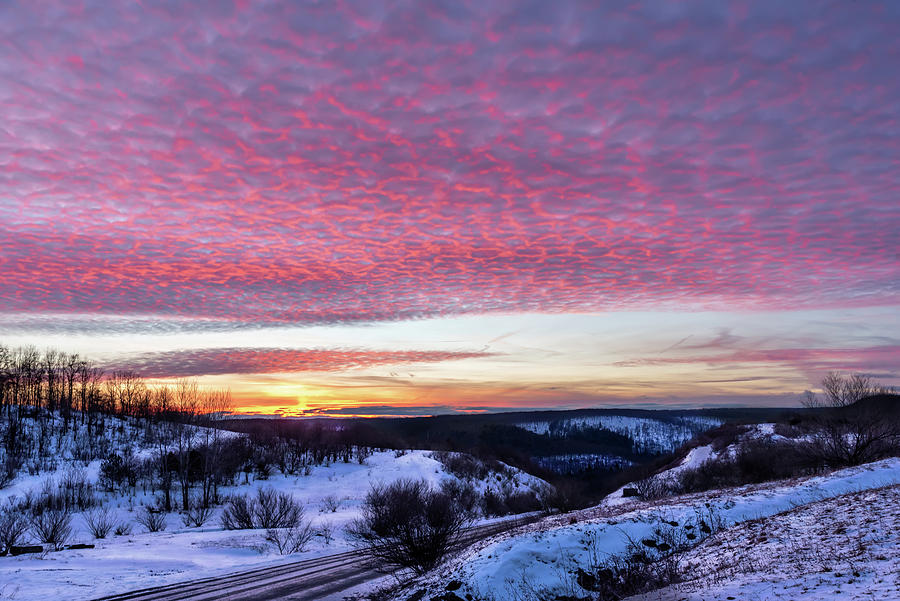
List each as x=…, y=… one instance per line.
x=198, y=362
x=342, y=162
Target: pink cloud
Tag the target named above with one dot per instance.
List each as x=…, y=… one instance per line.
x=197, y=362
x=284, y=162
x=883, y=360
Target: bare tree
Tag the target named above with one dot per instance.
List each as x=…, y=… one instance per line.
x=214, y=405
x=186, y=404
x=163, y=443
x=844, y=390
x=847, y=432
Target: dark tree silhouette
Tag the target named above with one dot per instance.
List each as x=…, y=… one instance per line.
x=408, y=524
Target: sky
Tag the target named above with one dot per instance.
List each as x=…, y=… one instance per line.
x=405, y=208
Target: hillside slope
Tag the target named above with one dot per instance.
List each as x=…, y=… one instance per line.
x=544, y=561
x=847, y=547
x=330, y=492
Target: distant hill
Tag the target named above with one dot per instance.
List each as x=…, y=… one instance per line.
x=888, y=403
x=882, y=405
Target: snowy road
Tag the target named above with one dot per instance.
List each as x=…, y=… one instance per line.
x=305, y=580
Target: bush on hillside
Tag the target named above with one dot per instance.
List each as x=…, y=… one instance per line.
x=52, y=526
x=464, y=492
x=238, y=513
x=857, y=421
x=652, y=488
x=153, y=520
x=408, y=524
x=99, y=522
x=116, y=471
x=13, y=526
x=754, y=461
x=292, y=539
x=270, y=509
x=463, y=466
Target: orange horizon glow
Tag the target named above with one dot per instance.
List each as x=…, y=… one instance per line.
x=455, y=206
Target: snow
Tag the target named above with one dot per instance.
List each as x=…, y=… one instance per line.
x=847, y=547
x=544, y=559
x=649, y=435
x=696, y=457
x=139, y=560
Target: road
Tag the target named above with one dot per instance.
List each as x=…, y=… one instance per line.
x=306, y=580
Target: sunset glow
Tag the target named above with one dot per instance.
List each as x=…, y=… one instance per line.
x=422, y=207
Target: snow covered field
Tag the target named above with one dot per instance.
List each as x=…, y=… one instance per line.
x=541, y=561
x=141, y=559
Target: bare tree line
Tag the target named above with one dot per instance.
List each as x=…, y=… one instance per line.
x=80, y=390
x=50, y=396
x=55, y=404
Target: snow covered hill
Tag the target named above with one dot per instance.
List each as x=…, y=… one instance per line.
x=846, y=547
x=330, y=492
x=563, y=556
x=649, y=435
x=695, y=457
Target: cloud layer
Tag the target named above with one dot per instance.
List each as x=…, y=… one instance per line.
x=345, y=161
x=216, y=361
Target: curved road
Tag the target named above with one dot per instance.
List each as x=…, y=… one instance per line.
x=305, y=580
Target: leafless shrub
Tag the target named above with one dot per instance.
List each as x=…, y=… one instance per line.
x=847, y=432
x=99, y=521
x=506, y=502
x=467, y=467
x=787, y=430
x=76, y=490
x=153, y=520
x=197, y=514
x=269, y=510
x=331, y=503
x=52, y=526
x=326, y=531
x=122, y=529
x=274, y=510
x=464, y=492
x=754, y=461
x=652, y=488
x=407, y=524
x=725, y=435
x=292, y=539
x=238, y=513
x=13, y=526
